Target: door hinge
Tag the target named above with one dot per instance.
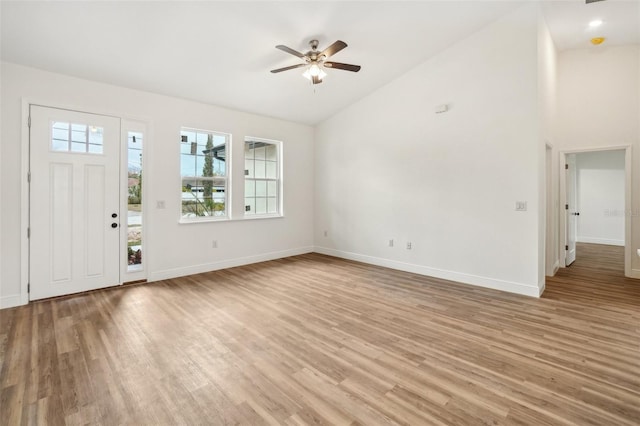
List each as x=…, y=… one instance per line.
x=566, y=247
x=566, y=167
x=29, y=177
x=566, y=206
x=29, y=121
x=28, y=232
x=28, y=287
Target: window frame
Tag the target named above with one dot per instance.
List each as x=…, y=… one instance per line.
x=279, y=179
x=227, y=178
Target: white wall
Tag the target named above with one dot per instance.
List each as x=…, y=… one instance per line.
x=548, y=242
x=388, y=167
x=600, y=189
x=599, y=106
x=172, y=249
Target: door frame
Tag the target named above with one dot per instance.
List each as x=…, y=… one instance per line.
x=628, y=157
x=25, y=156
x=551, y=256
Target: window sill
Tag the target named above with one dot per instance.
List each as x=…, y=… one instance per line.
x=183, y=221
x=261, y=216
x=228, y=219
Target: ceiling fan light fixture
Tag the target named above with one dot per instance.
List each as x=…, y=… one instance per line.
x=315, y=61
x=314, y=71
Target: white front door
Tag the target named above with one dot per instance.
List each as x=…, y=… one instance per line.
x=74, y=201
x=571, y=209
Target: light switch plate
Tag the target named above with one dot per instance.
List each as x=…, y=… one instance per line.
x=521, y=206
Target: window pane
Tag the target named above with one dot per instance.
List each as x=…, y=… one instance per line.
x=248, y=151
x=59, y=145
x=249, y=188
x=261, y=188
x=185, y=148
x=78, y=135
x=96, y=135
x=187, y=165
x=59, y=133
x=272, y=206
x=261, y=205
x=272, y=172
x=259, y=169
x=272, y=152
x=272, y=188
x=200, y=171
x=78, y=147
x=95, y=149
x=250, y=206
x=59, y=125
x=134, y=200
x=260, y=153
x=219, y=167
x=135, y=140
x=248, y=168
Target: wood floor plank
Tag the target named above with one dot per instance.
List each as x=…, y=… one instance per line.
x=315, y=340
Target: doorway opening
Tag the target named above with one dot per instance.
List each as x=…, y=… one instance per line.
x=595, y=195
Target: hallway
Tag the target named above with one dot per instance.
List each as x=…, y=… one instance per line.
x=596, y=278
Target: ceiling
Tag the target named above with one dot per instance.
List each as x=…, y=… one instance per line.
x=568, y=22
x=221, y=52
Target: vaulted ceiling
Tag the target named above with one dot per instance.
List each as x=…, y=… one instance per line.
x=221, y=52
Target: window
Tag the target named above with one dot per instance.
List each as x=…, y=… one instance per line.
x=79, y=138
x=262, y=177
x=204, y=172
x=134, y=201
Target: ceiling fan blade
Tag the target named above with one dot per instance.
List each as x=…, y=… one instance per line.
x=315, y=79
x=292, y=67
x=334, y=48
x=290, y=50
x=341, y=66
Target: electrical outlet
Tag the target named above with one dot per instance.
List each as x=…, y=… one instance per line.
x=408, y=246
x=160, y=204
x=214, y=244
x=390, y=243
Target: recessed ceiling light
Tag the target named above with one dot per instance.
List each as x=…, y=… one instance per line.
x=595, y=23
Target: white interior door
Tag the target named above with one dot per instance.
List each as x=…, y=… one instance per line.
x=571, y=209
x=74, y=202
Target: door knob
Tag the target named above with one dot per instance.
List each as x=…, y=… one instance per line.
x=114, y=225
x=114, y=215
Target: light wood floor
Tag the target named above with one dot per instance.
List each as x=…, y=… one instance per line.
x=316, y=340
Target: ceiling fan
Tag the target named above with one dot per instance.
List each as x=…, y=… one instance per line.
x=315, y=60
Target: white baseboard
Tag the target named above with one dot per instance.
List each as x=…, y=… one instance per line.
x=509, y=286
x=554, y=268
x=595, y=240
x=10, y=301
x=541, y=286
x=230, y=263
